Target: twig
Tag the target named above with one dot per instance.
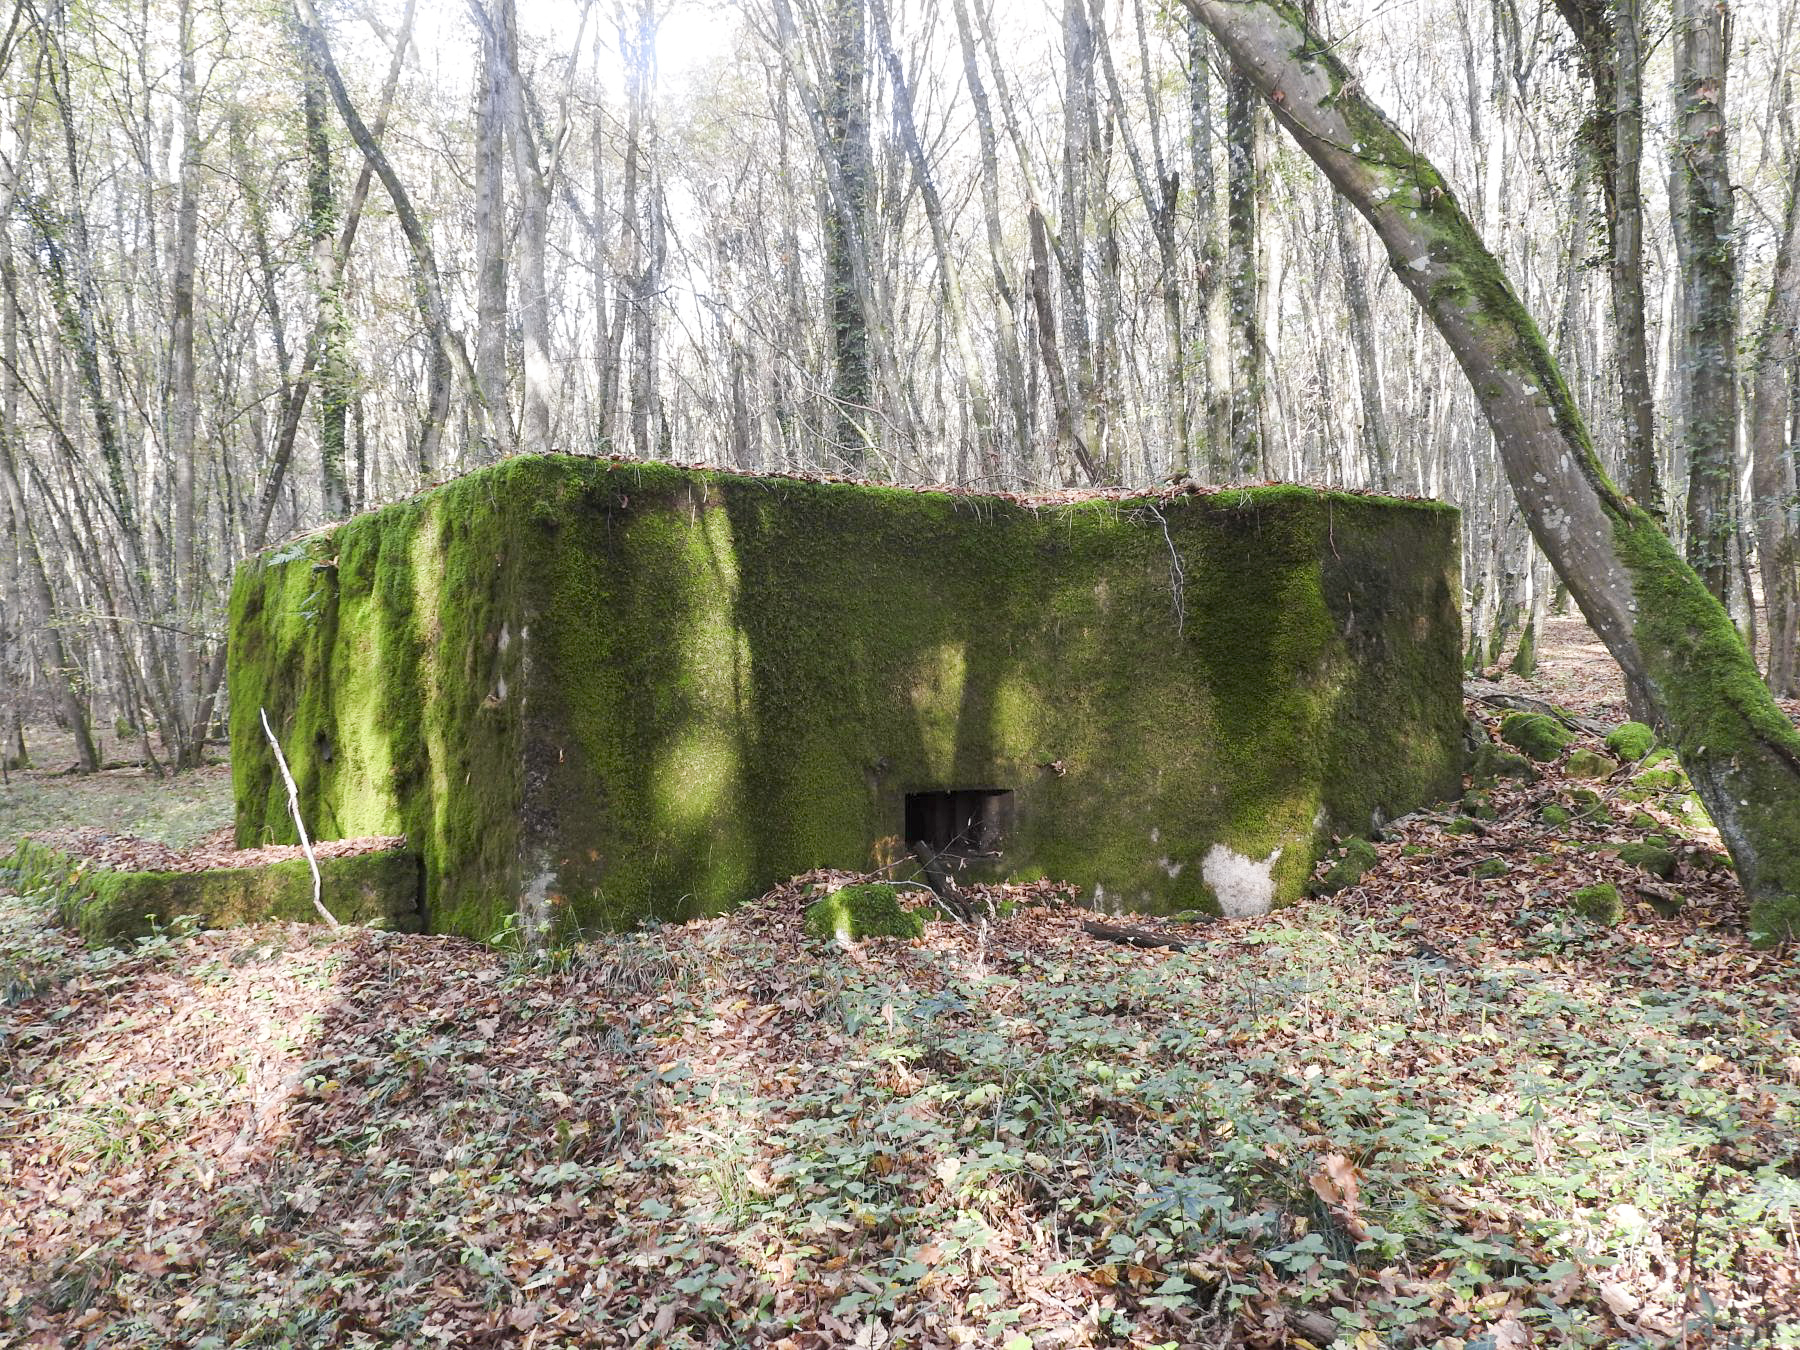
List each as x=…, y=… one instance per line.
x=299, y=824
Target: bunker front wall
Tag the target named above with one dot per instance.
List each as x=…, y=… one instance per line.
x=591, y=693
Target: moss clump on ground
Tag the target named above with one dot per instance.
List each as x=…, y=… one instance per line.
x=108, y=906
x=1538, y=736
x=599, y=692
x=1630, y=740
x=1479, y=805
x=1490, y=869
x=1599, y=902
x=1652, y=857
x=1661, y=772
x=862, y=911
x=1358, y=858
x=1589, y=805
x=1590, y=764
x=1491, y=763
x=1554, y=815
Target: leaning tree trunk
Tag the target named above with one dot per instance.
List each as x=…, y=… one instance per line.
x=1670, y=636
x=1772, y=470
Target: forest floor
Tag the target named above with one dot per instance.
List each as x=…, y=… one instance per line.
x=1438, y=1108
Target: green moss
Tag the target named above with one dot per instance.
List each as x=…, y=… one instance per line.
x=1653, y=858
x=610, y=691
x=1553, y=815
x=1492, y=763
x=108, y=906
x=1643, y=820
x=1590, y=764
x=1463, y=825
x=1489, y=869
x=1740, y=750
x=1479, y=805
x=1524, y=662
x=1599, y=902
x=1540, y=737
x=1358, y=857
x=1630, y=740
x=862, y=911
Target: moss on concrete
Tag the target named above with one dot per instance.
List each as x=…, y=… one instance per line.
x=108, y=906
x=1538, y=736
x=862, y=911
x=602, y=692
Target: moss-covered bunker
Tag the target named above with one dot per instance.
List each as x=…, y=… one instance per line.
x=596, y=691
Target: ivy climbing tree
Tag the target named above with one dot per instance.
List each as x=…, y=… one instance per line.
x=1679, y=652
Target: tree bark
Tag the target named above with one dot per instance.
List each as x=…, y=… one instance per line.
x=490, y=247
x=1362, y=338
x=1670, y=636
x=1242, y=277
x=1609, y=35
x=1706, y=410
x=1772, y=469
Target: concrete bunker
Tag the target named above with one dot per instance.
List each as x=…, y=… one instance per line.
x=596, y=692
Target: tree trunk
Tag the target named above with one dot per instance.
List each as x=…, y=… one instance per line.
x=1608, y=33
x=1247, y=450
x=447, y=351
x=1671, y=638
x=1362, y=338
x=846, y=116
x=1007, y=321
x=490, y=247
x=183, y=443
x=1705, y=366
x=1772, y=481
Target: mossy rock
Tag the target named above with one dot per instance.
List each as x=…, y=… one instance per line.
x=1590, y=764
x=1630, y=740
x=1359, y=856
x=1554, y=815
x=1490, y=869
x=1539, y=736
x=1643, y=820
x=1653, y=858
x=862, y=911
x=1479, y=805
x=1491, y=763
x=107, y=906
x=1589, y=806
x=1599, y=902
x=1667, y=905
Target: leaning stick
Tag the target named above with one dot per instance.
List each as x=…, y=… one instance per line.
x=299, y=824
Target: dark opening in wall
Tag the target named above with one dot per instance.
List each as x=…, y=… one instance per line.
x=967, y=821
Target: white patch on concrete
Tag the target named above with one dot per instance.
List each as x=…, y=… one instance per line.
x=1170, y=866
x=1155, y=835
x=505, y=638
x=1244, y=886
